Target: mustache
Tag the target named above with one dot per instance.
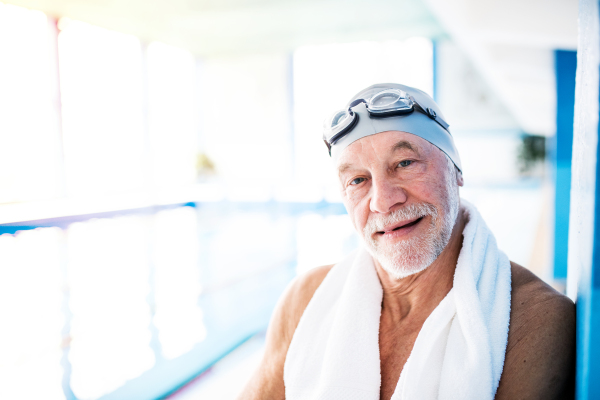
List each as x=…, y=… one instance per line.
x=411, y=211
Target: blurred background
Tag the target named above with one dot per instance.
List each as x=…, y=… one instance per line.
x=163, y=177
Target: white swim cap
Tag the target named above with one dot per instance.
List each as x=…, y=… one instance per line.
x=414, y=112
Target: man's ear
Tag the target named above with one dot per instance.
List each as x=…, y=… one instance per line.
x=459, y=178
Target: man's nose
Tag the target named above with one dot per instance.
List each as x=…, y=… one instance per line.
x=385, y=195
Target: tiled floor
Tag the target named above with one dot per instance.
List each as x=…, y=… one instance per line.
x=226, y=379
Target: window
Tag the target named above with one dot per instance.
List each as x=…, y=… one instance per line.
x=30, y=148
x=173, y=125
x=101, y=85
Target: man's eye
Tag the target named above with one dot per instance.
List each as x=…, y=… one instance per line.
x=405, y=163
x=356, y=181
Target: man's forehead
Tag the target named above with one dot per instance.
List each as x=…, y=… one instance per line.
x=378, y=145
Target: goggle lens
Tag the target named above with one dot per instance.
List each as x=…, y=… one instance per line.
x=390, y=101
x=339, y=121
x=339, y=118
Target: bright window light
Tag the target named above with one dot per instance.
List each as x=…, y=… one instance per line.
x=172, y=115
x=323, y=240
x=29, y=135
x=102, y=104
x=178, y=318
x=246, y=115
x=327, y=76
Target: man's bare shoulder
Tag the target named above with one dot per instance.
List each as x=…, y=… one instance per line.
x=540, y=352
x=536, y=304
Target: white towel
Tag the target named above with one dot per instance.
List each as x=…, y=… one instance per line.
x=458, y=354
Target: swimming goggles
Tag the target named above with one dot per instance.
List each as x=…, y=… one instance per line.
x=386, y=103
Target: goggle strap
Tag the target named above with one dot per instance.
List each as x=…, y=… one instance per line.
x=442, y=123
x=328, y=146
x=356, y=102
x=432, y=114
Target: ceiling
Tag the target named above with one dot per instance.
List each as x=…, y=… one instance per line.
x=211, y=27
x=510, y=43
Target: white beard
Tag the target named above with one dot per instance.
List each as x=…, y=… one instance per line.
x=414, y=255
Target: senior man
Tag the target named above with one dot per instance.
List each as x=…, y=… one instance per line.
x=428, y=307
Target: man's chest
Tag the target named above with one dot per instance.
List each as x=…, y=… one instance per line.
x=395, y=345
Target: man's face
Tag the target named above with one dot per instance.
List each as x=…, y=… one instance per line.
x=402, y=195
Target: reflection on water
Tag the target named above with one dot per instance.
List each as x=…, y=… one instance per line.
x=177, y=281
x=247, y=259
x=88, y=308
x=30, y=314
x=108, y=281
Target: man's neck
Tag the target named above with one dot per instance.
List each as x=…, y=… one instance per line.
x=420, y=293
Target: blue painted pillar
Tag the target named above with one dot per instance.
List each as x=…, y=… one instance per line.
x=588, y=310
x=583, y=284
x=583, y=268
x=565, y=63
